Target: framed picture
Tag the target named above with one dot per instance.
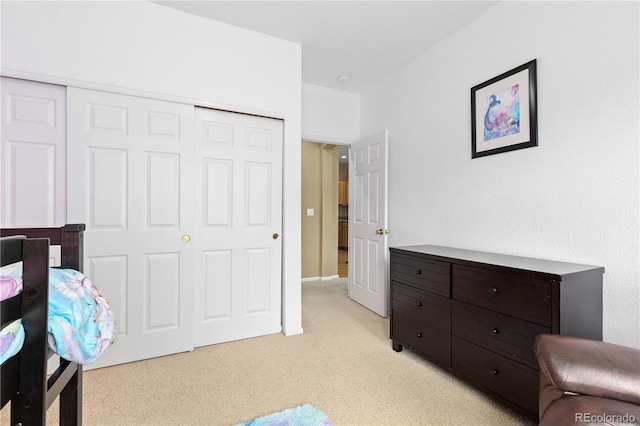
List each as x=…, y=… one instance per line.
x=504, y=112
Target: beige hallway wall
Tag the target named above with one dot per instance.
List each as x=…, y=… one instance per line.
x=320, y=193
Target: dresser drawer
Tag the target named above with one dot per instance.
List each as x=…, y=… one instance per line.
x=419, y=336
x=426, y=308
x=502, y=376
x=507, y=335
x=429, y=275
x=518, y=295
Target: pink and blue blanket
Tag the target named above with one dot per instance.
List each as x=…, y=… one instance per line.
x=81, y=324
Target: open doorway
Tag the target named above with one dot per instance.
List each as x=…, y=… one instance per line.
x=343, y=211
x=324, y=211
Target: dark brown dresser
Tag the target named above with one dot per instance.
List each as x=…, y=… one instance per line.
x=476, y=314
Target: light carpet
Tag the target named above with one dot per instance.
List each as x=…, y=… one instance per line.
x=343, y=364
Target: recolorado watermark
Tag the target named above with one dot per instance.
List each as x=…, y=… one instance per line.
x=604, y=418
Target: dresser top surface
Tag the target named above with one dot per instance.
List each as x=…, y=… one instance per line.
x=516, y=262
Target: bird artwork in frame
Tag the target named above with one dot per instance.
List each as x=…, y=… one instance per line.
x=504, y=112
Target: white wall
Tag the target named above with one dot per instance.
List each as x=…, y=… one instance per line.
x=147, y=47
x=330, y=115
x=575, y=196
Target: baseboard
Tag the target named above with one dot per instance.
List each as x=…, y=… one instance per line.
x=329, y=278
x=332, y=277
x=293, y=332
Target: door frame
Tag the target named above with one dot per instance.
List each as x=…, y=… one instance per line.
x=344, y=142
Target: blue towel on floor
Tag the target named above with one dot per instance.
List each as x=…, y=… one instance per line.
x=304, y=415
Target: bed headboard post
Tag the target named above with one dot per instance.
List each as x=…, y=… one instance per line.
x=30, y=404
x=72, y=237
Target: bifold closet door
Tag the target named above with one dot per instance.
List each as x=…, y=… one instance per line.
x=238, y=193
x=130, y=179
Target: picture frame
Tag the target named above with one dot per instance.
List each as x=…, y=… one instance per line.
x=504, y=112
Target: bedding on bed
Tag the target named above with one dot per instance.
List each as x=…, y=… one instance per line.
x=81, y=324
x=10, y=284
x=11, y=340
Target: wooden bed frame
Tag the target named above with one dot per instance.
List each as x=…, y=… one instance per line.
x=24, y=376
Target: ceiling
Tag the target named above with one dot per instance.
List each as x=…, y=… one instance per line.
x=365, y=40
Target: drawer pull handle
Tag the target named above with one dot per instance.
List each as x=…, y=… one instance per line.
x=495, y=331
x=418, y=303
x=419, y=335
x=418, y=272
x=494, y=372
x=494, y=290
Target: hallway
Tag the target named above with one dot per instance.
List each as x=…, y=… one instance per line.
x=343, y=267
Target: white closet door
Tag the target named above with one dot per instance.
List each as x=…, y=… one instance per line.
x=32, y=154
x=238, y=226
x=130, y=179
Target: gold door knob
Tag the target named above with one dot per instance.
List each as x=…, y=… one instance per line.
x=382, y=231
x=275, y=236
x=186, y=238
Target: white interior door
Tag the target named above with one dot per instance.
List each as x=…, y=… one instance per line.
x=32, y=154
x=130, y=180
x=238, y=244
x=368, y=245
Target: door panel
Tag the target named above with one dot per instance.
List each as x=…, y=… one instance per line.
x=258, y=263
x=368, y=244
x=32, y=154
x=108, y=176
x=113, y=270
x=163, y=197
x=258, y=194
x=131, y=182
x=238, y=260
x=162, y=272
x=217, y=294
x=218, y=192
